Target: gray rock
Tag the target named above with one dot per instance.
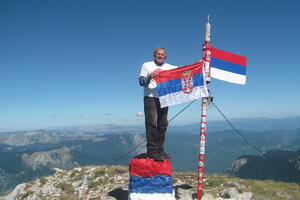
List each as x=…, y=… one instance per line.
x=236, y=184
x=207, y=196
x=184, y=194
x=229, y=193
x=246, y=196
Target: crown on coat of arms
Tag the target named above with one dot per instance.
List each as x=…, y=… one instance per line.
x=186, y=73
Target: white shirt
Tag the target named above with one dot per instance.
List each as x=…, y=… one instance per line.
x=147, y=69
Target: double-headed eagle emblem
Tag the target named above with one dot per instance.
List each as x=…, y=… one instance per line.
x=187, y=81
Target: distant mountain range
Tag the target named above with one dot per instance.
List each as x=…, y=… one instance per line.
x=247, y=124
x=275, y=165
x=28, y=155
x=223, y=147
x=25, y=155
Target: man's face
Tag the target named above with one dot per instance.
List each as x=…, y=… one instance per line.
x=160, y=56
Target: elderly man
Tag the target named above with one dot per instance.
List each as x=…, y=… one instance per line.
x=156, y=121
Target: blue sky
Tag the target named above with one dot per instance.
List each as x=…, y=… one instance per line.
x=65, y=63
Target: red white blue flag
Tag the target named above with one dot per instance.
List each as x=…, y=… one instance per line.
x=227, y=66
x=181, y=85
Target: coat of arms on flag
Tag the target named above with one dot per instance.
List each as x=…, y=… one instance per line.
x=182, y=84
x=187, y=82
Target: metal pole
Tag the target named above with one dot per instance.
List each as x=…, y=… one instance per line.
x=205, y=102
x=202, y=146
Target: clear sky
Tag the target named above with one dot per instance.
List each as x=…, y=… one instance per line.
x=76, y=62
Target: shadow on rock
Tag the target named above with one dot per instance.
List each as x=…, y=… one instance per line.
x=183, y=186
x=119, y=194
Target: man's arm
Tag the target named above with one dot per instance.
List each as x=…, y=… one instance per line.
x=144, y=81
x=145, y=77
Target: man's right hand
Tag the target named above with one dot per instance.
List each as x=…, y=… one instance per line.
x=153, y=74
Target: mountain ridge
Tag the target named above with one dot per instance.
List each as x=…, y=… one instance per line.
x=111, y=183
x=260, y=123
x=67, y=149
x=277, y=165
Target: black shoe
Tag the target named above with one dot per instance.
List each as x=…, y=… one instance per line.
x=156, y=156
x=165, y=155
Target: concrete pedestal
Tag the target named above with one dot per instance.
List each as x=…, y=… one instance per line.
x=150, y=180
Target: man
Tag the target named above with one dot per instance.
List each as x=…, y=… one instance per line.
x=156, y=121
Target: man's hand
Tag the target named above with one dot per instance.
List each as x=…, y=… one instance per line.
x=153, y=74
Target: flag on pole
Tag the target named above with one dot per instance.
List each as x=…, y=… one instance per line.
x=182, y=84
x=227, y=66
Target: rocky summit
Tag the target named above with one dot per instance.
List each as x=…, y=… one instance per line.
x=111, y=183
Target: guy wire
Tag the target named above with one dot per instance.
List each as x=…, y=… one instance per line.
x=280, y=170
x=236, y=130
x=134, y=148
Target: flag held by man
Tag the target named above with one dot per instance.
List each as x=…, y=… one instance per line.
x=181, y=85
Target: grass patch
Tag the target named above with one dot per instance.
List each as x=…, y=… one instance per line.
x=99, y=172
x=77, y=177
x=43, y=180
x=68, y=197
x=25, y=195
x=120, y=170
x=66, y=187
x=275, y=190
x=40, y=197
x=94, y=184
x=267, y=190
x=73, y=173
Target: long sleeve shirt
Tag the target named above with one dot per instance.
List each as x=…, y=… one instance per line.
x=145, y=79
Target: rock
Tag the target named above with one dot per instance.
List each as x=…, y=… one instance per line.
x=207, y=196
x=77, y=183
x=246, y=196
x=229, y=193
x=93, y=183
x=184, y=194
x=283, y=195
x=236, y=185
x=57, y=170
x=91, y=170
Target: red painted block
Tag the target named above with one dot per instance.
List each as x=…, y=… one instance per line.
x=147, y=167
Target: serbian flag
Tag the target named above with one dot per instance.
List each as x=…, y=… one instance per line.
x=182, y=84
x=227, y=66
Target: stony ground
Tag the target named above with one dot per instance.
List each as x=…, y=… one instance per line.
x=111, y=183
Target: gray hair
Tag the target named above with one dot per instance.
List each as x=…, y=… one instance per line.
x=160, y=48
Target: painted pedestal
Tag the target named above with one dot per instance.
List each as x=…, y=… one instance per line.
x=150, y=180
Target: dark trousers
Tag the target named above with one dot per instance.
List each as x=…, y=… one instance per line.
x=156, y=121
